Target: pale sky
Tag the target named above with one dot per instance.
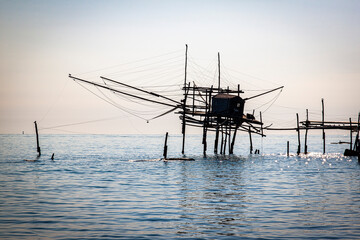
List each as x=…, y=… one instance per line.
x=310, y=47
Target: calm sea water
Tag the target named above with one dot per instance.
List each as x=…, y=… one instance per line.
x=113, y=186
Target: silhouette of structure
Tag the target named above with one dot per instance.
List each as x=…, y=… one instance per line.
x=216, y=109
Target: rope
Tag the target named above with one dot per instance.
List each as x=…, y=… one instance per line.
x=115, y=105
x=131, y=62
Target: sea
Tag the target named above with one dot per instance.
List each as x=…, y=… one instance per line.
x=118, y=187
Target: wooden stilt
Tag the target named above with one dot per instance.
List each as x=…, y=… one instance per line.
x=204, y=141
x=298, y=130
x=323, y=125
x=251, y=146
x=184, y=103
x=229, y=140
x=226, y=135
x=222, y=140
x=306, y=130
x=37, y=140
x=217, y=137
x=350, y=134
x=233, y=140
x=165, y=146
x=205, y=125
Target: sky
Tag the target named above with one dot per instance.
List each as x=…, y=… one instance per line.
x=312, y=48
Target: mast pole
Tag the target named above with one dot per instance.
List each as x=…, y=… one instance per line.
x=219, y=72
x=184, y=102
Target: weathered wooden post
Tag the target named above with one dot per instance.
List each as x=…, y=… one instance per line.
x=205, y=124
x=287, y=149
x=323, y=124
x=229, y=140
x=233, y=140
x=251, y=146
x=222, y=139
x=298, y=130
x=217, y=136
x=165, y=146
x=225, y=137
x=37, y=139
x=184, y=103
x=261, y=126
x=350, y=134
x=306, y=130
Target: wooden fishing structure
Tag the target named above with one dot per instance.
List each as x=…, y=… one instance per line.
x=215, y=109
x=354, y=149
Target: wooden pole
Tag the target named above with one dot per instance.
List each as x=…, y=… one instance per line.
x=287, y=149
x=225, y=138
x=205, y=125
x=306, y=131
x=184, y=102
x=323, y=125
x=217, y=136
x=233, y=140
x=251, y=146
x=222, y=140
x=350, y=134
x=229, y=140
x=193, y=103
x=37, y=140
x=298, y=130
x=357, y=143
x=165, y=146
x=261, y=126
x=219, y=71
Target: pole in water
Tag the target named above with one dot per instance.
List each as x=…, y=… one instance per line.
x=287, y=149
x=306, y=130
x=350, y=134
x=165, y=146
x=298, y=130
x=37, y=139
x=184, y=102
x=251, y=146
x=323, y=129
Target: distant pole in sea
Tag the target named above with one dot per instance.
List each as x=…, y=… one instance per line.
x=306, y=130
x=287, y=149
x=37, y=139
x=298, y=130
x=165, y=146
x=350, y=134
x=323, y=124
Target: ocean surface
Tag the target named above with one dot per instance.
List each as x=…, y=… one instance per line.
x=115, y=187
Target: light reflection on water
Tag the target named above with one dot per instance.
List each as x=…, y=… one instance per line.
x=98, y=188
